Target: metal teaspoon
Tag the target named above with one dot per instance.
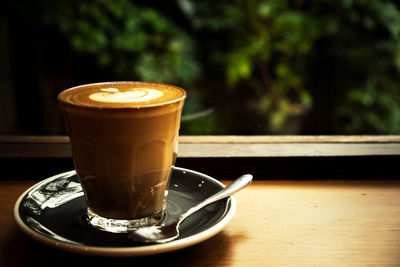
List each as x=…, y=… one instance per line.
x=167, y=233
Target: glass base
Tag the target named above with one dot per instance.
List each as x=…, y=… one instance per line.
x=122, y=226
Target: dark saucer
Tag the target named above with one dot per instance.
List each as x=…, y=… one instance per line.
x=53, y=212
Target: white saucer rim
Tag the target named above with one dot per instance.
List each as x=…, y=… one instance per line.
x=125, y=251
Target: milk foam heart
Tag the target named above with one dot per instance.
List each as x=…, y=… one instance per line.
x=114, y=95
x=122, y=95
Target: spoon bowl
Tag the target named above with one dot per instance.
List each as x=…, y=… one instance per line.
x=167, y=233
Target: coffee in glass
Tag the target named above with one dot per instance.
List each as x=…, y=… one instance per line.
x=124, y=144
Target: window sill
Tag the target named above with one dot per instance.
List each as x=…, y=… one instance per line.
x=268, y=157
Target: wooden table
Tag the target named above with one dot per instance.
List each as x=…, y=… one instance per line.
x=334, y=221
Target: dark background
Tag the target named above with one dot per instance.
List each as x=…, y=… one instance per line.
x=259, y=67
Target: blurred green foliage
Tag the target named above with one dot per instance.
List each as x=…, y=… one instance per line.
x=267, y=44
x=272, y=44
x=266, y=52
x=127, y=39
x=363, y=38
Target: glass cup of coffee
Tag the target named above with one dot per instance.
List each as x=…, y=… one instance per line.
x=124, y=138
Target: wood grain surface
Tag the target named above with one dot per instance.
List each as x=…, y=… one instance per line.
x=277, y=223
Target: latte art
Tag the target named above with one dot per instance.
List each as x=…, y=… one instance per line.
x=117, y=95
x=114, y=95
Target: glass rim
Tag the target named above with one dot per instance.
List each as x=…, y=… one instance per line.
x=179, y=99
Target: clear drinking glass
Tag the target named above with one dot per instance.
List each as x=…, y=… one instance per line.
x=124, y=144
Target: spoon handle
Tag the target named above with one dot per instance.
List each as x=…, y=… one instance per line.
x=230, y=189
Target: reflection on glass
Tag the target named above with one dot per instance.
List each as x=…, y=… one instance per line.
x=54, y=194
